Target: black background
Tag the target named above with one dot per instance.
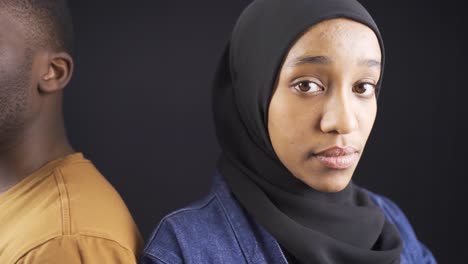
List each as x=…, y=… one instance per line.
x=139, y=106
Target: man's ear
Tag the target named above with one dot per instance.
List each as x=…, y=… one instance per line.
x=58, y=74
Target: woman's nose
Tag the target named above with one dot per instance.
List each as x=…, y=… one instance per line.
x=338, y=116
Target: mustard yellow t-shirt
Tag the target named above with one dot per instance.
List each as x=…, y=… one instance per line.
x=66, y=212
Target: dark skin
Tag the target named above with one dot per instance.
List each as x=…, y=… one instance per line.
x=32, y=78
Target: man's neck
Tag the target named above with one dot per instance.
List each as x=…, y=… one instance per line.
x=30, y=150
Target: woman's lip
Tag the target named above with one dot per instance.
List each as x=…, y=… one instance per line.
x=337, y=151
x=338, y=162
x=337, y=157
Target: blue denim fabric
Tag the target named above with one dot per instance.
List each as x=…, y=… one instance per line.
x=216, y=229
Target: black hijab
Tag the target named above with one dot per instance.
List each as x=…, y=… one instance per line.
x=314, y=227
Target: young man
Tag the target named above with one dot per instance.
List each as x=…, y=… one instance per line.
x=55, y=207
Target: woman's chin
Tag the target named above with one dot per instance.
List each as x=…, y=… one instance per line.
x=332, y=181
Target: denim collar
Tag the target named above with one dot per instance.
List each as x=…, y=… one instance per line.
x=255, y=242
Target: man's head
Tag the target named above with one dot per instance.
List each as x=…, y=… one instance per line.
x=36, y=40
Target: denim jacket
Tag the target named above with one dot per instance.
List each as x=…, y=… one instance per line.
x=216, y=229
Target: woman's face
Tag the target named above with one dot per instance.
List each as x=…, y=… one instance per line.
x=324, y=105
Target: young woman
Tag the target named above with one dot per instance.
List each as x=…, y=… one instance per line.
x=294, y=102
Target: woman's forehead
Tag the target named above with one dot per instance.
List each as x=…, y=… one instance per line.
x=332, y=37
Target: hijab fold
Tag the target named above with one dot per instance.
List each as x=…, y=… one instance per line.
x=314, y=227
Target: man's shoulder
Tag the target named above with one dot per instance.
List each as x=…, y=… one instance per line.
x=77, y=248
x=90, y=205
x=69, y=199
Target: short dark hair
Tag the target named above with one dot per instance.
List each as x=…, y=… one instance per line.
x=46, y=21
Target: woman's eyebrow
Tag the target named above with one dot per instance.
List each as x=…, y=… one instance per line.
x=322, y=60
x=370, y=63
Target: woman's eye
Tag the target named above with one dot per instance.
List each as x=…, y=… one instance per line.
x=364, y=89
x=307, y=87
